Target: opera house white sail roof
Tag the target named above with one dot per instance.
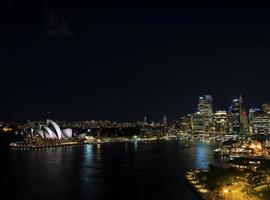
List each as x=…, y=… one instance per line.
x=52, y=131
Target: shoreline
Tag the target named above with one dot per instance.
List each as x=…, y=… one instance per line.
x=191, y=182
x=23, y=146
x=34, y=147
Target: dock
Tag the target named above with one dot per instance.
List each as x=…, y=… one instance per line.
x=18, y=146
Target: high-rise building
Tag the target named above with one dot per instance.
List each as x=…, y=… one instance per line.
x=185, y=124
x=198, y=123
x=189, y=123
x=205, y=108
x=234, y=116
x=221, y=121
x=266, y=107
x=244, y=122
x=145, y=120
x=238, y=120
x=252, y=113
x=165, y=121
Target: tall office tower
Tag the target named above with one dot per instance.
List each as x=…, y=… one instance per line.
x=185, y=124
x=165, y=121
x=252, y=113
x=238, y=117
x=189, y=122
x=266, y=107
x=198, y=123
x=205, y=108
x=145, y=120
x=244, y=122
x=234, y=116
x=221, y=122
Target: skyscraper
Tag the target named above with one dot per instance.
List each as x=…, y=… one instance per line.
x=145, y=120
x=252, y=113
x=238, y=117
x=198, y=123
x=234, y=116
x=266, y=107
x=165, y=121
x=221, y=121
x=205, y=108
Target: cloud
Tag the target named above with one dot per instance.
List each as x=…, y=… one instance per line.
x=58, y=28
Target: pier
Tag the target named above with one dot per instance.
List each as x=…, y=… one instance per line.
x=37, y=146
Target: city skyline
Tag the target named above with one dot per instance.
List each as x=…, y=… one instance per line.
x=199, y=106
x=135, y=100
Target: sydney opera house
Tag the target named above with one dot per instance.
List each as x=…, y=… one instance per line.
x=51, y=130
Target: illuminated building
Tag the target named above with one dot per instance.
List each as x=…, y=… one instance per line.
x=7, y=129
x=260, y=123
x=205, y=108
x=221, y=121
x=165, y=121
x=252, y=113
x=185, y=124
x=198, y=123
x=145, y=120
x=244, y=122
x=234, y=116
x=238, y=120
x=266, y=107
x=52, y=131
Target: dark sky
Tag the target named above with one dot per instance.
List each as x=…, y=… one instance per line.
x=122, y=60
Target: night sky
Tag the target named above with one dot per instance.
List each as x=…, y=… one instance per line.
x=122, y=60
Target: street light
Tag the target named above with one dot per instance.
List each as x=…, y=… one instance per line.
x=225, y=191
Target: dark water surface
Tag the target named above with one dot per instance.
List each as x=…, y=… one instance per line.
x=152, y=170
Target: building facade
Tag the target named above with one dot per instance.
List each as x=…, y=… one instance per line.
x=266, y=107
x=221, y=122
x=198, y=124
x=205, y=108
x=238, y=120
x=260, y=123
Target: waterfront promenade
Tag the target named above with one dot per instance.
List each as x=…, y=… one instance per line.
x=235, y=191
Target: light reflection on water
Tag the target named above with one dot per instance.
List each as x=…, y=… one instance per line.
x=203, y=155
x=152, y=170
x=88, y=153
x=135, y=145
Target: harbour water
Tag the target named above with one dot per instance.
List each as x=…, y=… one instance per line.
x=132, y=170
